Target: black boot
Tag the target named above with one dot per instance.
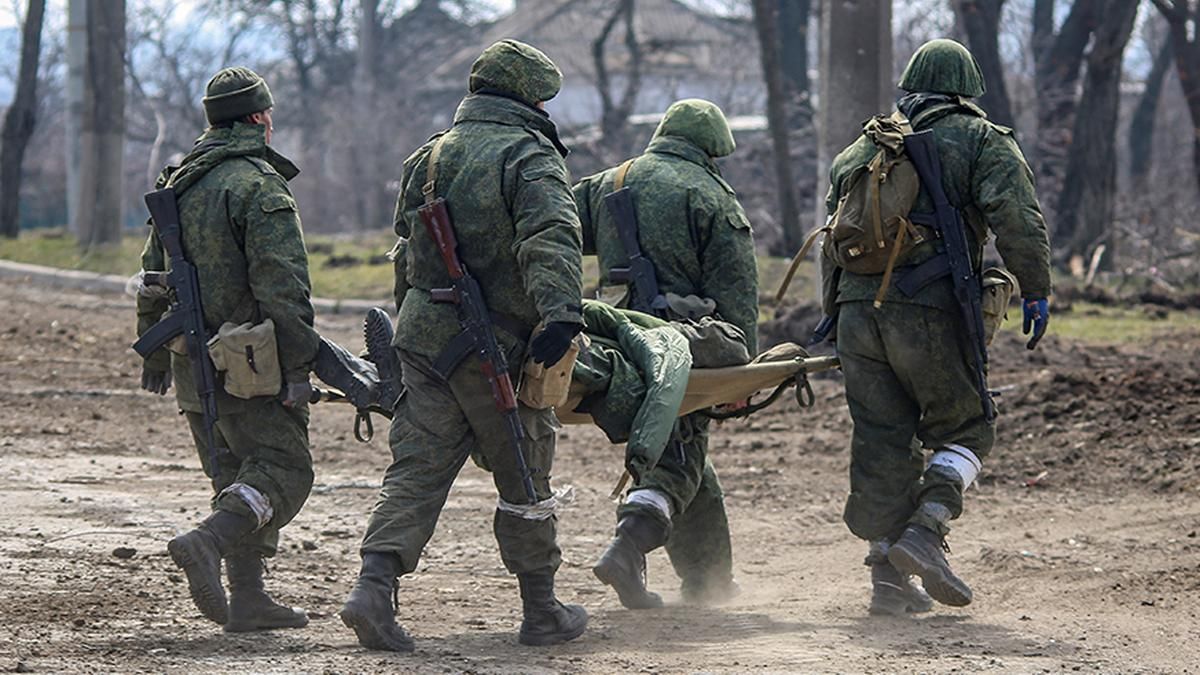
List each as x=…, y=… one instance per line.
x=371, y=608
x=893, y=593
x=198, y=553
x=547, y=621
x=919, y=552
x=250, y=608
x=623, y=564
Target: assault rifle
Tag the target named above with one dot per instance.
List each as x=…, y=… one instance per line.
x=186, y=316
x=922, y=150
x=476, y=322
x=639, y=271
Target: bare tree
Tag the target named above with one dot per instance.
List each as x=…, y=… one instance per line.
x=793, y=16
x=1185, y=39
x=1141, y=124
x=980, y=20
x=20, y=119
x=103, y=124
x=615, y=111
x=1085, y=206
x=765, y=22
x=1058, y=58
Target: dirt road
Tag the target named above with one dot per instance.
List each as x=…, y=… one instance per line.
x=1093, y=567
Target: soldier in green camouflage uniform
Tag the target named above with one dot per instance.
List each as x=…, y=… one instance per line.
x=500, y=169
x=909, y=379
x=692, y=228
x=241, y=230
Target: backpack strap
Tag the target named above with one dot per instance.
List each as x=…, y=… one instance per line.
x=622, y=171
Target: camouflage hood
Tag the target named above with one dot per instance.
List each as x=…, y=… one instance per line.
x=700, y=122
x=945, y=67
x=516, y=69
x=219, y=144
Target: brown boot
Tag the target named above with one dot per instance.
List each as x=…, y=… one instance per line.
x=198, y=553
x=547, y=621
x=250, y=608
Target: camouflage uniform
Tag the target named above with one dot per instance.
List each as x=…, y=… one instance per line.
x=909, y=380
x=502, y=174
x=241, y=230
x=691, y=226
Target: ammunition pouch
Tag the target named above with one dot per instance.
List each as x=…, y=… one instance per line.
x=541, y=387
x=999, y=287
x=249, y=357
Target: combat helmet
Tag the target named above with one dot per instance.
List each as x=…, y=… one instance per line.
x=517, y=69
x=700, y=122
x=945, y=67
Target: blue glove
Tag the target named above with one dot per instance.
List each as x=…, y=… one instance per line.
x=1037, y=316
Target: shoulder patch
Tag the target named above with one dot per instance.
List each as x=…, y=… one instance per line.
x=277, y=201
x=1007, y=131
x=737, y=219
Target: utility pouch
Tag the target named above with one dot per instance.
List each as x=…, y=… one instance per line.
x=999, y=287
x=249, y=356
x=543, y=387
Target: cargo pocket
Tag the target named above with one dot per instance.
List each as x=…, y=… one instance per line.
x=249, y=357
x=998, y=289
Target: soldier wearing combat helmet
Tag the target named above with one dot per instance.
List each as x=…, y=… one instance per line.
x=691, y=227
x=500, y=170
x=241, y=230
x=910, y=381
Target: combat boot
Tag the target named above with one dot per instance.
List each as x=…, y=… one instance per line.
x=919, y=552
x=623, y=564
x=370, y=611
x=547, y=621
x=250, y=608
x=893, y=593
x=709, y=593
x=198, y=553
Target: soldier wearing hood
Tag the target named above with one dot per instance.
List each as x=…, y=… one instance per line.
x=909, y=379
x=694, y=231
x=500, y=169
x=241, y=230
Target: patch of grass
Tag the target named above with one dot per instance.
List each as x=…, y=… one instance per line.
x=56, y=248
x=1103, y=324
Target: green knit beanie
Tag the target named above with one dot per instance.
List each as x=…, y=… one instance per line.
x=517, y=69
x=944, y=67
x=234, y=93
x=700, y=122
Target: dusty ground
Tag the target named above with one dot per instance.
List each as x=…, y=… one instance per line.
x=1092, y=566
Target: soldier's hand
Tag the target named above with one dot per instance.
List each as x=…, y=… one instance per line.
x=1037, y=317
x=549, y=346
x=156, y=381
x=297, y=394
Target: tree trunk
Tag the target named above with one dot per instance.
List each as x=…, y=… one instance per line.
x=777, y=119
x=1183, y=17
x=614, y=113
x=20, y=120
x=365, y=155
x=1058, y=58
x=1141, y=125
x=793, y=55
x=105, y=85
x=76, y=74
x=981, y=22
x=1085, y=207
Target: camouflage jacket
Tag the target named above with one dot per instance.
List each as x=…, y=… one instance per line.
x=241, y=230
x=986, y=177
x=690, y=225
x=502, y=174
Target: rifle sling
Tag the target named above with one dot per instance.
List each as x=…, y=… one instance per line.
x=619, y=180
x=462, y=345
x=429, y=189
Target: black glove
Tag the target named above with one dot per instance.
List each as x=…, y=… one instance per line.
x=552, y=342
x=156, y=381
x=296, y=394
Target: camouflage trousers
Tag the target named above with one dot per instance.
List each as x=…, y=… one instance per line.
x=698, y=545
x=264, y=445
x=438, y=425
x=909, y=385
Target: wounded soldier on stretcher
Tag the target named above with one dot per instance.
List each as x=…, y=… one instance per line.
x=631, y=374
